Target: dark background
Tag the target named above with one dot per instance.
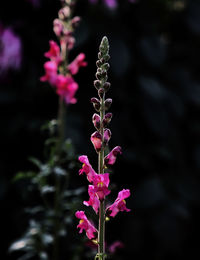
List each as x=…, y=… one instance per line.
x=155, y=76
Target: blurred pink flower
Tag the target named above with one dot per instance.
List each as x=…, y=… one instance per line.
x=114, y=246
x=50, y=68
x=77, y=63
x=112, y=4
x=35, y=3
x=54, y=52
x=66, y=87
x=10, y=50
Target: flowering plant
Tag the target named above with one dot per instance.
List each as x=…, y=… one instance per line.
x=99, y=182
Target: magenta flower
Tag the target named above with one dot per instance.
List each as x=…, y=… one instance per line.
x=66, y=87
x=86, y=168
x=50, y=68
x=77, y=63
x=119, y=204
x=96, y=140
x=110, y=159
x=54, y=52
x=101, y=183
x=93, y=200
x=10, y=50
x=85, y=224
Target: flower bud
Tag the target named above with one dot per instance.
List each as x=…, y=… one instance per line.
x=106, y=120
x=99, y=63
x=107, y=136
x=110, y=159
x=64, y=13
x=96, y=104
x=97, y=84
x=106, y=86
x=106, y=57
x=75, y=21
x=101, y=92
x=98, y=75
x=58, y=27
x=96, y=140
x=108, y=103
x=99, y=55
x=106, y=66
x=96, y=121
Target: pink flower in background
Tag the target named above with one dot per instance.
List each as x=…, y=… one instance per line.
x=66, y=87
x=93, y=200
x=101, y=183
x=54, y=52
x=119, y=204
x=110, y=159
x=96, y=140
x=86, y=168
x=50, y=68
x=84, y=224
x=10, y=50
x=77, y=63
x=114, y=246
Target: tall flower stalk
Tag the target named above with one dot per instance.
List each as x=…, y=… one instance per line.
x=99, y=190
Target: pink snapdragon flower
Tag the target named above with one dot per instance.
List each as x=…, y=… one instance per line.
x=86, y=168
x=93, y=200
x=78, y=62
x=66, y=87
x=110, y=159
x=85, y=224
x=50, y=68
x=101, y=183
x=96, y=140
x=54, y=52
x=119, y=204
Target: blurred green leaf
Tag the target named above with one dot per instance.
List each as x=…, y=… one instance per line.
x=24, y=175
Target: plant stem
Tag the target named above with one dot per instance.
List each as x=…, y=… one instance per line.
x=101, y=235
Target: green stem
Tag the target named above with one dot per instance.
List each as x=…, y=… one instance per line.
x=101, y=235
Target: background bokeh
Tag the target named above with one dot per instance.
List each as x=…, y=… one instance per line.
x=155, y=76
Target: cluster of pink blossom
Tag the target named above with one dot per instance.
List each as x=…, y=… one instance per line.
x=57, y=72
x=98, y=189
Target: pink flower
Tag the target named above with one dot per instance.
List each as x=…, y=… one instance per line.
x=50, y=68
x=93, y=201
x=86, y=168
x=85, y=224
x=119, y=204
x=66, y=88
x=77, y=63
x=96, y=140
x=110, y=159
x=101, y=182
x=54, y=52
x=96, y=121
